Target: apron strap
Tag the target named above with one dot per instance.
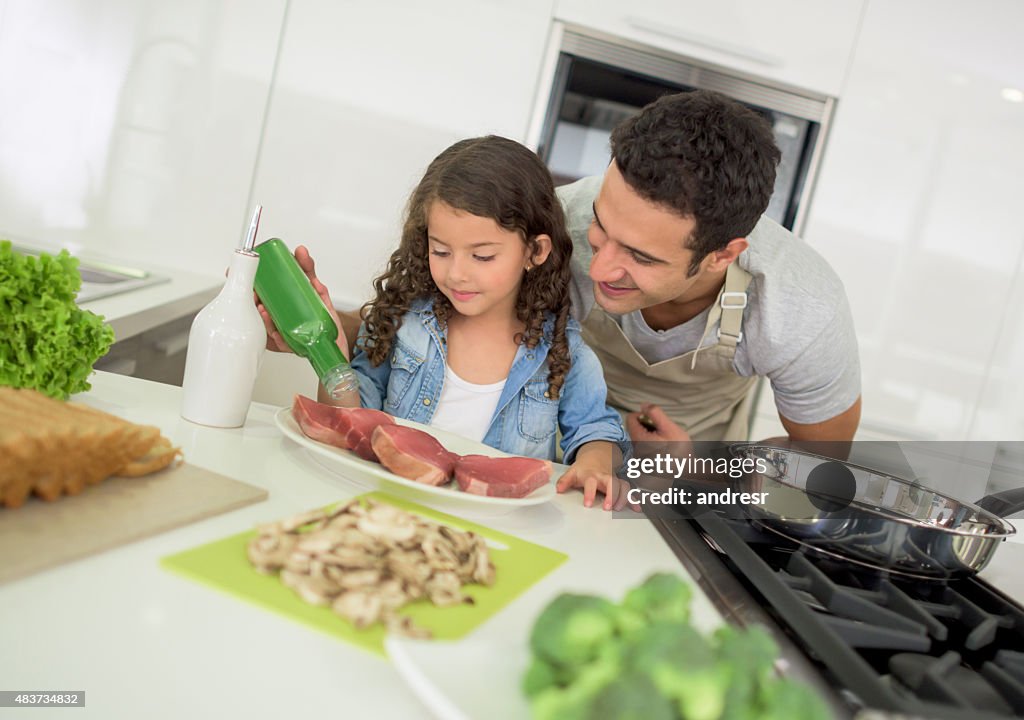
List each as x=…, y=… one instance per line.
x=728, y=307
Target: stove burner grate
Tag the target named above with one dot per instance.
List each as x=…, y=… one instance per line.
x=948, y=648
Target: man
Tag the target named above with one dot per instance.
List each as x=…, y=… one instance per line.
x=688, y=294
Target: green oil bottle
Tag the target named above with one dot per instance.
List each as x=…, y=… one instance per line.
x=302, y=319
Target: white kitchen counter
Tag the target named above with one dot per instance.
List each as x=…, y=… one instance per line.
x=144, y=642
x=136, y=311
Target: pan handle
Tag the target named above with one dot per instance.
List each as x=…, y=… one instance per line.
x=1003, y=503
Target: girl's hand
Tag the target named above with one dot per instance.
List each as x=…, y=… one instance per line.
x=593, y=480
x=275, y=342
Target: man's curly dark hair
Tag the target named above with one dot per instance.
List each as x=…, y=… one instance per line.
x=496, y=178
x=701, y=155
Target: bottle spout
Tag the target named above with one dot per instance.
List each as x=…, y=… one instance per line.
x=250, y=236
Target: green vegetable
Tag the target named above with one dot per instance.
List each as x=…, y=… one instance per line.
x=540, y=676
x=572, y=629
x=594, y=660
x=683, y=667
x=46, y=341
x=661, y=597
x=748, y=655
x=631, y=697
x=788, y=700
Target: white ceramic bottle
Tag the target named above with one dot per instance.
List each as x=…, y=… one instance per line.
x=225, y=347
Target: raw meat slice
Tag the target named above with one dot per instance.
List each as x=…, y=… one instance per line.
x=413, y=454
x=348, y=428
x=511, y=477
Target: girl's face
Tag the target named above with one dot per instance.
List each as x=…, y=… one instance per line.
x=475, y=262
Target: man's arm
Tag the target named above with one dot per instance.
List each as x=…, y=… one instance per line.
x=655, y=426
x=839, y=428
x=350, y=324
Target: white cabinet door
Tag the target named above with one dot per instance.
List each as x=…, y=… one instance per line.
x=803, y=43
x=366, y=94
x=130, y=128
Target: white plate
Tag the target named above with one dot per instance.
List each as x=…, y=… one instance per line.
x=476, y=677
x=371, y=474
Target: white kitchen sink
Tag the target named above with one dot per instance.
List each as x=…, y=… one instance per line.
x=101, y=279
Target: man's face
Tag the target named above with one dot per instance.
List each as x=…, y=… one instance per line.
x=640, y=254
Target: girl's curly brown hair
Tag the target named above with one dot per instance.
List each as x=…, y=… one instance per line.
x=490, y=177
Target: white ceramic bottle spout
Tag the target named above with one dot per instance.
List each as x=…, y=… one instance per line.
x=225, y=347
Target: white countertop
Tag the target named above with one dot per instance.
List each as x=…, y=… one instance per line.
x=136, y=311
x=144, y=642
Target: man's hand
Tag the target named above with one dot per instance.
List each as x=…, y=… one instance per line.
x=651, y=424
x=275, y=342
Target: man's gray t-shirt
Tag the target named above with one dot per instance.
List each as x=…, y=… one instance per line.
x=797, y=327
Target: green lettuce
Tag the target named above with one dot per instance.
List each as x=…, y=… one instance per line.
x=47, y=342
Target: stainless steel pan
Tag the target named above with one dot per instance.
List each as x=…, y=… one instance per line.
x=870, y=517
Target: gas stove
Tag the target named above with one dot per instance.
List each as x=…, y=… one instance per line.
x=874, y=644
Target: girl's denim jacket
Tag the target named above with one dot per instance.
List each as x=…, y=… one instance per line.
x=525, y=422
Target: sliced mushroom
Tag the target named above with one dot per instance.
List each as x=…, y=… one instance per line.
x=313, y=517
x=444, y=589
x=270, y=552
x=361, y=607
x=368, y=559
x=403, y=625
x=439, y=552
x=361, y=579
x=388, y=531
x=483, y=571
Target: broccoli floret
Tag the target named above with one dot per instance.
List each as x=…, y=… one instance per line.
x=575, y=700
x=628, y=622
x=785, y=699
x=631, y=697
x=661, y=597
x=683, y=667
x=571, y=630
x=539, y=677
x=751, y=651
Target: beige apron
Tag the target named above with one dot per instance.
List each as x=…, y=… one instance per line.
x=699, y=390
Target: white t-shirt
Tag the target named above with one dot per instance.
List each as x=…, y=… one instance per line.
x=466, y=408
x=797, y=327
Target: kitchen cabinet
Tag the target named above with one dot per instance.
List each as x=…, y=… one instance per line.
x=130, y=127
x=800, y=43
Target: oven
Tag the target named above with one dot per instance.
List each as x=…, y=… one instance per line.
x=591, y=82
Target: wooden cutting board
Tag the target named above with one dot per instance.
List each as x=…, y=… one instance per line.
x=40, y=535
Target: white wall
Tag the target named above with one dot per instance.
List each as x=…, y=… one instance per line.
x=918, y=208
x=130, y=127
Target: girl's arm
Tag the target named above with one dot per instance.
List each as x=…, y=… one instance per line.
x=593, y=439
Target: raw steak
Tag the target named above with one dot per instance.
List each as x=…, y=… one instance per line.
x=510, y=477
x=348, y=428
x=413, y=454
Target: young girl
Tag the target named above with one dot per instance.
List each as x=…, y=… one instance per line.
x=470, y=329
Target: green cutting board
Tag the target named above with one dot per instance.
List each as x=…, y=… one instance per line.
x=518, y=564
